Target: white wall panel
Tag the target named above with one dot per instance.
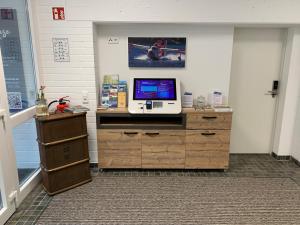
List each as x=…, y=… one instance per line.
x=186, y=11
x=208, y=54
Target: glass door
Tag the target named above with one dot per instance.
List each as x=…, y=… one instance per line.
x=21, y=86
x=19, y=157
x=8, y=172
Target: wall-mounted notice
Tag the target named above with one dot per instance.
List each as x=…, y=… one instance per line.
x=61, y=49
x=58, y=13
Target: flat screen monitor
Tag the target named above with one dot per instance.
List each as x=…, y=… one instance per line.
x=154, y=89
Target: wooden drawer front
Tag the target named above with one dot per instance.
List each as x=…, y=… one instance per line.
x=58, y=180
x=207, y=137
x=163, y=149
x=206, y=159
x=119, y=149
x=208, y=120
x=207, y=149
x=65, y=153
x=57, y=130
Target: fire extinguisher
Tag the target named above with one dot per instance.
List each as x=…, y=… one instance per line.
x=62, y=104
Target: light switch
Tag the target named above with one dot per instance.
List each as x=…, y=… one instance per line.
x=85, y=97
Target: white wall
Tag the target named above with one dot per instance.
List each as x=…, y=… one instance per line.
x=208, y=49
x=186, y=11
x=79, y=74
x=285, y=141
x=68, y=78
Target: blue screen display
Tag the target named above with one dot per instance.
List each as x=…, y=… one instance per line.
x=154, y=89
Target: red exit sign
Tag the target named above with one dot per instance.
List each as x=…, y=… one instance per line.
x=58, y=13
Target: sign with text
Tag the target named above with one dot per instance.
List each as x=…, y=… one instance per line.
x=58, y=13
x=61, y=49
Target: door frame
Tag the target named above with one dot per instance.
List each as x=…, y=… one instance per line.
x=8, y=169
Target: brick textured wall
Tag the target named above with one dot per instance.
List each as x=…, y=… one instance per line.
x=68, y=78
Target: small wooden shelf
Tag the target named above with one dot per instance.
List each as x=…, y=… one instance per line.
x=130, y=121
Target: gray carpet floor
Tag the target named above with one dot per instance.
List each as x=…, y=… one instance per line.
x=177, y=200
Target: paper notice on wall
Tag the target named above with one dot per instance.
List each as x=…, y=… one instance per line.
x=61, y=49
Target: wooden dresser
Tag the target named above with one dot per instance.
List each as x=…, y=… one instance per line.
x=63, y=149
x=191, y=140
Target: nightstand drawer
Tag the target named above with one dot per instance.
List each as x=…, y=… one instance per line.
x=207, y=149
x=56, y=155
x=61, y=126
x=208, y=120
x=206, y=159
x=119, y=148
x=163, y=149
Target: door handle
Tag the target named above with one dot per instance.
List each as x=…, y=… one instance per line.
x=2, y=117
x=208, y=134
x=273, y=93
x=152, y=133
x=209, y=117
x=130, y=132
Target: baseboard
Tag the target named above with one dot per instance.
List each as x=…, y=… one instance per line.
x=278, y=157
x=281, y=157
x=296, y=161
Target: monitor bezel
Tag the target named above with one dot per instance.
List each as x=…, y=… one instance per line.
x=158, y=99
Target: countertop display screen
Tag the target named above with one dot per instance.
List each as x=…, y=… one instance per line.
x=154, y=89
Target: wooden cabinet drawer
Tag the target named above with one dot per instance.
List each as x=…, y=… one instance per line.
x=58, y=155
x=207, y=137
x=207, y=149
x=206, y=159
x=119, y=148
x=208, y=120
x=61, y=126
x=56, y=181
x=163, y=149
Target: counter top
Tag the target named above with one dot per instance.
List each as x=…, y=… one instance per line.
x=184, y=110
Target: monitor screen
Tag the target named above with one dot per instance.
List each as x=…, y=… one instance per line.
x=154, y=89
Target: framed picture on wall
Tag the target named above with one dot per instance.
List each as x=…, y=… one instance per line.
x=156, y=52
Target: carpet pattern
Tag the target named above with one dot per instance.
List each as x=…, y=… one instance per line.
x=177, y=200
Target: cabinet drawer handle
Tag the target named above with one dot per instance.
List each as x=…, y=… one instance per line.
x=152, y=133
x=209, y=117
x=130, y=132
x=208, y=134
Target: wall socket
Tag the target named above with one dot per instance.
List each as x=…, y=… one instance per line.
x=85, y=97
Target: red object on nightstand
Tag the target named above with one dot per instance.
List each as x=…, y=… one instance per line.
x=62, y=104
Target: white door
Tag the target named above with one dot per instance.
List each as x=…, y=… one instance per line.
x=8, y=170
x=256, y=63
